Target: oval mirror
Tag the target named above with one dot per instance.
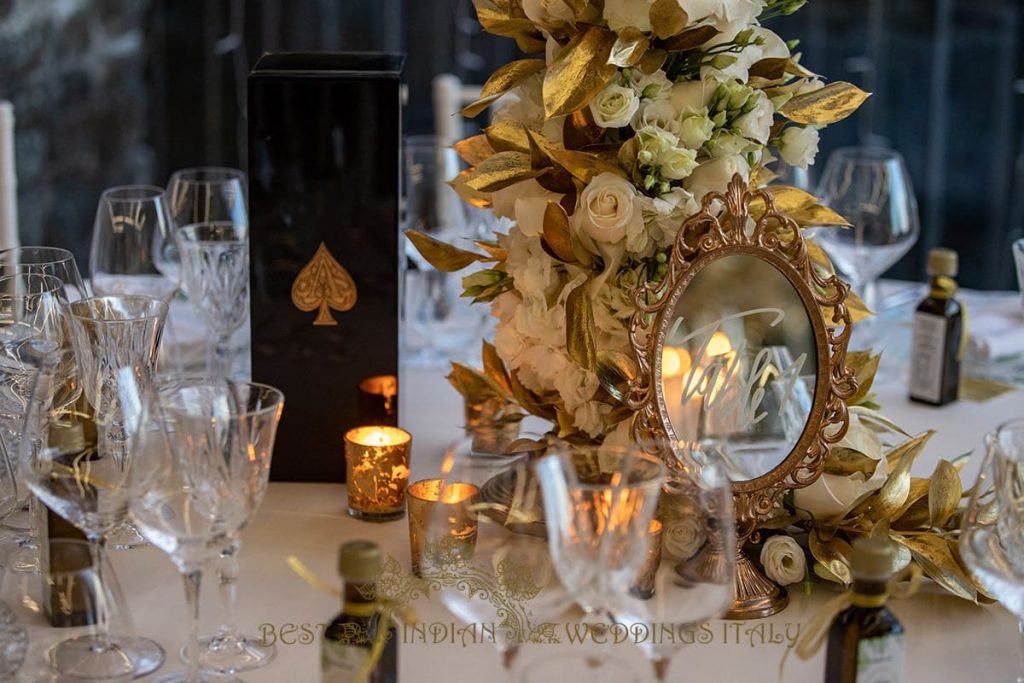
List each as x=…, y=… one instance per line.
x=739, y=364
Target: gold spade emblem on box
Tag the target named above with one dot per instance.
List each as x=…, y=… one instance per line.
x=323, y=284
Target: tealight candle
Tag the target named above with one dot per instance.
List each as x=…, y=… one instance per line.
x=443, y=515
x=377, y=471
x=378, y=401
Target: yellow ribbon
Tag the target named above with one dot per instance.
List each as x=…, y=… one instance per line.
x=389, y=611
x=813, y=637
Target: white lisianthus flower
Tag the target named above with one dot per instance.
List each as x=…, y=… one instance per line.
x=676, y=163
x=682, y=537
x=521, y=202
x=756, y=124
x=548, y=12
x=659, y=114
x=714, y=175
x=724, y=144
x=614, y=106
x=608, y=209
x=654, y=141
x=736, y=66
x=695, y=128
x=665, y=213
x=693, y=96
x=655, y=86
x=723, y=12
x=799, y=146
x=783, y=560
x=622, y=14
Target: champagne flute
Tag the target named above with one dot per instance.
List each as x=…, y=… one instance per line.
x=67, y=464
x=871, y=188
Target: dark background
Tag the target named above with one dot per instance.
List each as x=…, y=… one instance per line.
x=122, y=91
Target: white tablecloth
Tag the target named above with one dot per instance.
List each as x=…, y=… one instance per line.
x=948, y=639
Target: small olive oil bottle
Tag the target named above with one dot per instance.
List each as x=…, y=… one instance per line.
x=865, y=642
x=350, y=637
x=938, y=335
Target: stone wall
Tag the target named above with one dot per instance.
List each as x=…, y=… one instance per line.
x=75, y=71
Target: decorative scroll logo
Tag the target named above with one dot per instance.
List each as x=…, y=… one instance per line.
x=324, y=284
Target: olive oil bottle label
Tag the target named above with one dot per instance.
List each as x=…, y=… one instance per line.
x=927, y=352
x=880, y=660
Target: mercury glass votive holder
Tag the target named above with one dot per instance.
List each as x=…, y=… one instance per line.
x=442, y=515
x=643, y=587
x=377, y=471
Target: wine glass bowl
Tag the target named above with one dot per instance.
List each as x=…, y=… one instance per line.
x=52, y=261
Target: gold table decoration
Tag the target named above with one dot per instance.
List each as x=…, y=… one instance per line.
x=460, y=502
x=377, y=471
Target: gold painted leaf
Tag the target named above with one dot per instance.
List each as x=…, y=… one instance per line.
x=691, y=38
x=581, y=165
x=667, y=18
x=529, y=401
x=471, y=384
x=580, y=335
x=627, y=155
x=846, y=461
x=493, y=249
x=629, y=47
x=653, y=60
x=834, y=555
x=474, y=149
x=761, y=176
x=443, y=256
x=580, y=72
x=943, y=493
x=938, y=563
x=827, y=105
x=509, y=20
x=918, y=494
x=501, y=81
x=817, y=215
x=508, y=136
x=892, y=497
x=557, y=234
x=787, y=199
x=864, y=366
x=580, y=129
x=494, y=367
x=481, y=200
x=501, y=170
x=615, y=370
x=770, y=68
x=819, y=257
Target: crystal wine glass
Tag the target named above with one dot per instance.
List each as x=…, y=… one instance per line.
x=196, y=489
x=229, y=651
x=690, y=577
x=992, y=534
x=67, y=463
x=215, y=265
x=52, y=261
x=598, y=506
x=871, y=188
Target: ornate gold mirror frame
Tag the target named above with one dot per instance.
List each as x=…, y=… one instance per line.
x=745, y=221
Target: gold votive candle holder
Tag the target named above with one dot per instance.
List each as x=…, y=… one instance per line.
x=643, y=587
x=444, y=516
x=378, y=401
x=377, y=471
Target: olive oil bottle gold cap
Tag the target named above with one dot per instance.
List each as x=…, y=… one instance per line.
x=359, y=560
x=942, y=262
x=872, y=558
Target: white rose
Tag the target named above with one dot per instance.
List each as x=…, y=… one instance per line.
x=726, y=144
x=677, y=163
x=756, y=124
x=798, y=146
x=722, y=12
x=621, y=14
x=695, y=129
x=665, y=213
x=655, y=86
x=693, y=96
x=614, y=106
x=682, y=537
x=548, y=12
x=607, y=209
x=659, y=114
x=591, y=417
x=654, y=141
x=714, y=175
x=783, y=560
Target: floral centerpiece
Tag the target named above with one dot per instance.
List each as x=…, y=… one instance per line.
x=599, y=147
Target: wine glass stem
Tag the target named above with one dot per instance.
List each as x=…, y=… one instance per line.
x=98, y=548
x=227, y=576
x=192, y=581
x=869, y=294
x=218, y=360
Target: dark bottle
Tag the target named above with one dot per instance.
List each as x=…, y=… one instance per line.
x=938, y=335
x=865, y=642
x=349, y=639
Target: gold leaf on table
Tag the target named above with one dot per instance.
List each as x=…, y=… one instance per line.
x=501, y=170
x=501, y=81
x=833, y=554
x=864, y=366
x=443, y=256
x=938, y=563
x=474, y=149
x=943, y=493
x=557, y=234
x=580, y=72
x=667, y=18
x=691, y=38
x=474, y=387
x=827, y=105
x=770, y=68
x=629, y=47
x=495, y=367
x=580, y=335
x=980, y=389
x=892, y=497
